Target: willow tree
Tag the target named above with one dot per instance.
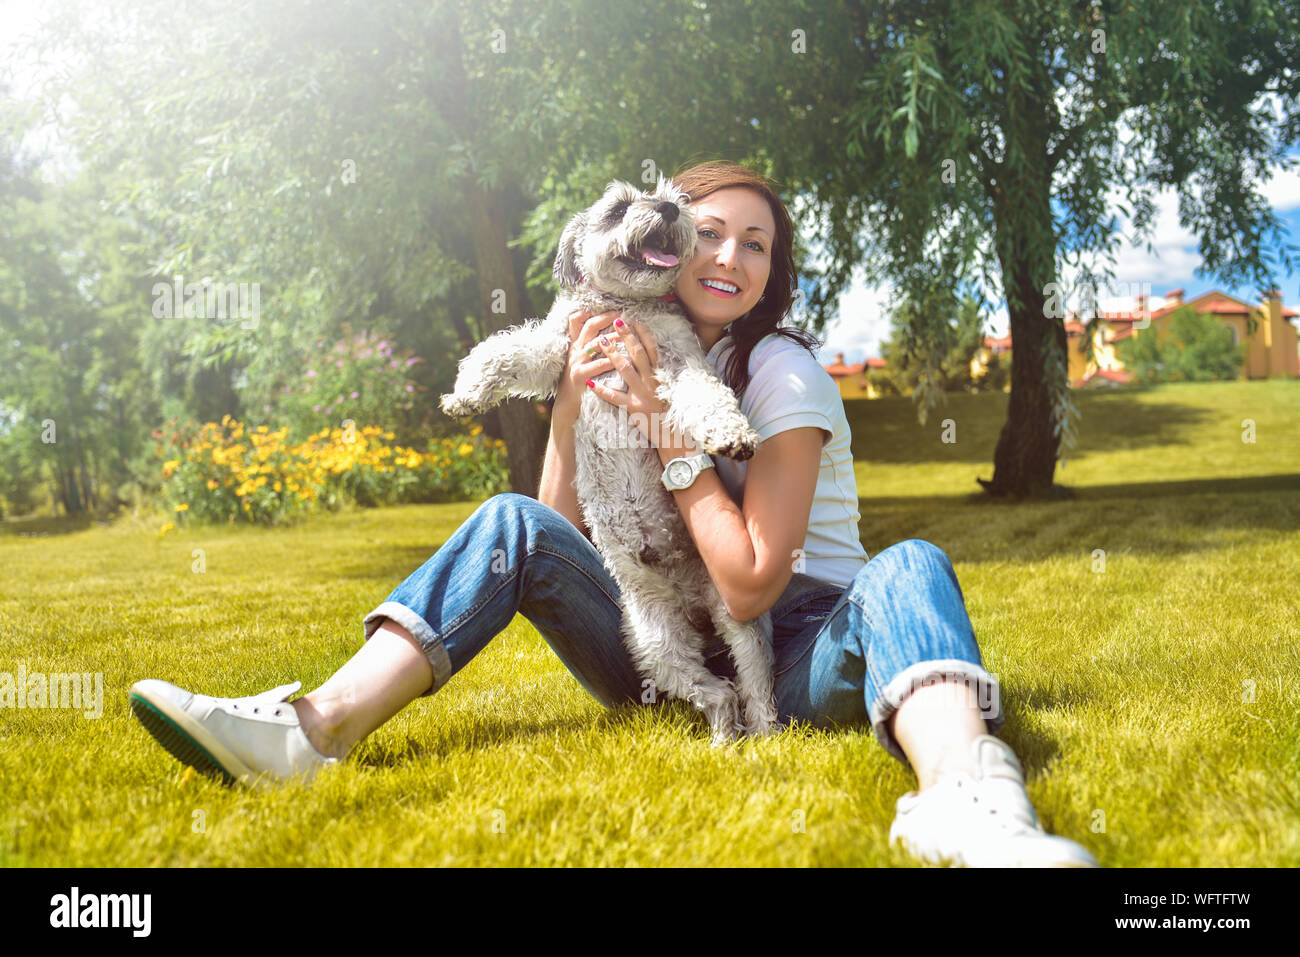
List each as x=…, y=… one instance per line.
x=985, y=143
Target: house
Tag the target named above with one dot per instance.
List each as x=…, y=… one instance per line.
x=852, y=378
x=993, y=346
x=1272, y=349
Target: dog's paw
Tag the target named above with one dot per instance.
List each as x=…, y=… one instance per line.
x=724, y=736
x=459, y=406
x=737, y=446
x=761, y=718
x=724, y=720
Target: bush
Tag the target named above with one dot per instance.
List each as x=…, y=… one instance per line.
x=1198, y=349
x=223, y=472
x=358, y=378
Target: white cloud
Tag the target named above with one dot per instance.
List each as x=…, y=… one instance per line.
x=1283, y=190
x=861, y=326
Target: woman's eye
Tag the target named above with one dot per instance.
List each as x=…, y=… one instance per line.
x=757, y=246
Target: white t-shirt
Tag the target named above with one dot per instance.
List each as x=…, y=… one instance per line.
x=788, y=389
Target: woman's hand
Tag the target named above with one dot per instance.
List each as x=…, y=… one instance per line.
x=644, y=408
x=585, y=362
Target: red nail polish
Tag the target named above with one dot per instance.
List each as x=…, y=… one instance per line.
x=619, y=323
x=590, y=383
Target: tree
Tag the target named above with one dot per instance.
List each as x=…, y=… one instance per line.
x=401, y=168
x=983, y=141
x=1199, y=348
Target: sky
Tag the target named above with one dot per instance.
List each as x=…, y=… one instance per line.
x=863, y=323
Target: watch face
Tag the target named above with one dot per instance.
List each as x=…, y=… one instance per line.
x=679, y=473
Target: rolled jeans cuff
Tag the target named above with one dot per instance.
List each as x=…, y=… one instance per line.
x=429, y=642
x=923, y=673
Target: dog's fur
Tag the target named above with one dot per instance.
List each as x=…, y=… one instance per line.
x=669, y=600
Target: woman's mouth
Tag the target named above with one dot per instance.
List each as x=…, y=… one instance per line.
x=720, y=288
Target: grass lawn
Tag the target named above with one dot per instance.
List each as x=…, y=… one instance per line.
x=1155, y=704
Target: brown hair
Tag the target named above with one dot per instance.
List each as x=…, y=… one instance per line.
x=778, y=295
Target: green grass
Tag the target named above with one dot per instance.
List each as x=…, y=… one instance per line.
x=1123, y=689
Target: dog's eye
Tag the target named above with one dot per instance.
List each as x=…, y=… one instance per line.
x=615, y=214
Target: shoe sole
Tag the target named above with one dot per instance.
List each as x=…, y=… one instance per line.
x=186, y=741
x=911, y=849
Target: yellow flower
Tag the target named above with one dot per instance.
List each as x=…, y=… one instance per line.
x=183, y=507
x=169, y=467
x=212, y=484
x=276, y=485
x=465, y=448
x=476, y=430
x=166, y=528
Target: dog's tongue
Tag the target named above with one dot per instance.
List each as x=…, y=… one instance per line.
x=657, y=257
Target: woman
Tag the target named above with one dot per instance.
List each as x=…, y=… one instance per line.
x=885, y=641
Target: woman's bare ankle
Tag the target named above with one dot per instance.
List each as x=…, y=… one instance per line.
x=321, y=733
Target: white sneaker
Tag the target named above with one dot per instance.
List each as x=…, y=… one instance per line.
x=982, y=821
x=250, y=740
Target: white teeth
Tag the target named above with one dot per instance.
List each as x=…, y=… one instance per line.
x=720, y=285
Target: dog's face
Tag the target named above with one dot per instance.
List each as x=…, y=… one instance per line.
x=630, y=243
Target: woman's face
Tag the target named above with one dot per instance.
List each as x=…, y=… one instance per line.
x=733, y=258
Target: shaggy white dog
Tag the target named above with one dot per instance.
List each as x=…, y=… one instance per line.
x=624, y=253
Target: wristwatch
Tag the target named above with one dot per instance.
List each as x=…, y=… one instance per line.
x=682, y=472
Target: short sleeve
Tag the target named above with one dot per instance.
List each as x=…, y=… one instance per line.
x=789, y=390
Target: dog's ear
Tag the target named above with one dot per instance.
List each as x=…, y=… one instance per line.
x=567, y=273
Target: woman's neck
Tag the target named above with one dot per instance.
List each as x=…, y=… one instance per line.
x=709, y=336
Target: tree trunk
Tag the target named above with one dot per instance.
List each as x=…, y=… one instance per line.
x=525, y=434
x=87, y=493
x=1025, y=238
x=1024, y=462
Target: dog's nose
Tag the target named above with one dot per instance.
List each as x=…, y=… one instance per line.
x=668, y=211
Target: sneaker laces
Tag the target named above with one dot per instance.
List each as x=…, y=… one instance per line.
x=1004, y=800
x=273, y=697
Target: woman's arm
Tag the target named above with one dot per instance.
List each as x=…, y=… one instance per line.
x=751, y=551
x=556, y=487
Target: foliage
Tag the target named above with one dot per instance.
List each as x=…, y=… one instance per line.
x=1198, y=348
x=358, y=378
x=223, y=472
x=985, y=143
x=932, y=343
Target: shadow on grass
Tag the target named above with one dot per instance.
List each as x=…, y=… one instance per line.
x=1286, y=482
x=886, y=431
x=487, y=731
x=39, y=527
x=1141, y=518
x=1028, y=528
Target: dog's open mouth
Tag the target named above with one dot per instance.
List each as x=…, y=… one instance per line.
x=656, y=253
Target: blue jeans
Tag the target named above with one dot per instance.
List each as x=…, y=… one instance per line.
x=843, y=656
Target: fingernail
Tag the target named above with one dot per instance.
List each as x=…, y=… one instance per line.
x=591, y=384
x=619, y=323
x=604, y=340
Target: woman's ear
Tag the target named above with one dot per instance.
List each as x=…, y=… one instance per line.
x=567, y=272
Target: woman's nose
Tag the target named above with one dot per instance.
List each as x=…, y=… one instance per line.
x=726, y=251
